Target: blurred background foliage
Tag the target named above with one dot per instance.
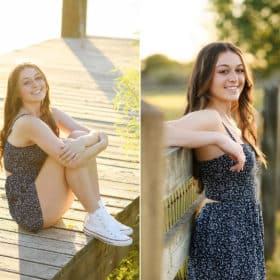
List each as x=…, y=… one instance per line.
x=160, y=71
x=254, y=25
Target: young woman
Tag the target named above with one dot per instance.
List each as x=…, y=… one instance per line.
x=219, y=124
x=43, y=170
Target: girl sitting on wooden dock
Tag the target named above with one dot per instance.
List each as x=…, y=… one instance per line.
x=44, y=171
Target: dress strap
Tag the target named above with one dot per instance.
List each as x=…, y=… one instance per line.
x=229, y=133
x=11, y=127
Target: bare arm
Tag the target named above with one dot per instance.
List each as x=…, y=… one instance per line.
x=192, y=139
x=194, y=130
x=66, y=123
x=74, y=146
x=203, y=128
x=35, y=130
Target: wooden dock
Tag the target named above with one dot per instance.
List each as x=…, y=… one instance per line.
x=81, y=78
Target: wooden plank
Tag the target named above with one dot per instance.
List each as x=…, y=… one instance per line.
x=27, y=268
x=63, y=223
x=113, y=163
x=34, y=255
x=50, y=233
x=69, y=221
x=39, y=242
x=6, y=275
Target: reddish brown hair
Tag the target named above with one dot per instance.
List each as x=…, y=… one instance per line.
x=13, y=103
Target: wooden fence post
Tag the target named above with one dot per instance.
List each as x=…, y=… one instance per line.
x=270, y=176
x=277, y=169
x=152, y=180
x=74, y=14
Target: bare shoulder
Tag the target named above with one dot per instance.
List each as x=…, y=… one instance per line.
x=28, y=121
x=206, y=119
x=205, y=115
x=23, y=128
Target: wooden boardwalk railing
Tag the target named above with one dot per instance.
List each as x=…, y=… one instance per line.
x=169, y=199
x=82, y=84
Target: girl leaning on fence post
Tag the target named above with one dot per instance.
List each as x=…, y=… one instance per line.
x=227, y=239
x=44, y=171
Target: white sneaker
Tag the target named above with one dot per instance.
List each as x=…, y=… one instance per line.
x=97, y=225
x=122, y=228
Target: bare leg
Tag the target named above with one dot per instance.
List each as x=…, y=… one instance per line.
x=84, y=185
x=86, y=177
x=56, y=195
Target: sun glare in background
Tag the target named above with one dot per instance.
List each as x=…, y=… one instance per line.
x=23, y=23
x=176, y=28
x=111, y=18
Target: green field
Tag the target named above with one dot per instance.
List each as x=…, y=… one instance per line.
x=273, y=266
x=172, y=103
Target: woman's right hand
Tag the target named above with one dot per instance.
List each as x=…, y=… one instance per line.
x=82, y=158
x=234, y=150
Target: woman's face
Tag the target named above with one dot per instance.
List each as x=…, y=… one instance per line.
x=31, y=86
x=228, y=79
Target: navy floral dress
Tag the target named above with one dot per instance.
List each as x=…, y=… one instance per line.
x=227, y=240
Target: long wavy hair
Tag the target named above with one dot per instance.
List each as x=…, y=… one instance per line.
x=13, y=103
x=198, y=92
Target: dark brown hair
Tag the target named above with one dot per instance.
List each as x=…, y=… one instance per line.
x=13, y=103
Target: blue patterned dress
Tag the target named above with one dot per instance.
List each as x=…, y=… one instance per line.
x=227, y=240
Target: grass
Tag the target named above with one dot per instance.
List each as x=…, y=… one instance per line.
x=128, y=269
x=273, y=265
x=172, y=103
